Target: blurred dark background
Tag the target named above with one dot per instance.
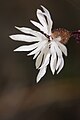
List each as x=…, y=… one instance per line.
x=55, y=97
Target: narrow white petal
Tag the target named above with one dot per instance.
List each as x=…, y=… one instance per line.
x=41, y=18
x=50, y=23
x=52, y=49
x=30, y=31
x=58, y=63
x=25, y=38
x=27, y=47
x=46, y=11
x=46, y=61
x=35, y=51
x=39, y=60
x=40, y=46
x=43, y=69
x=37, y=24
x=63, y=48
x=61, y=65
x=43, y=29
x=41, y=74
x=27, y=30
x=53, y=63
x=57, y=49
x=36, y=54
x=46, y=56
x=59, y=55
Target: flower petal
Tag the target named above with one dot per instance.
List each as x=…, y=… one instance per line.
x=40, y=46
x=39, y=60
x=50, y=23
x=53, y=62
x=61, y=65
x=38, y=49
x=46, y=61
x=31, y=32
x=60, y=62
x=36, y=54
x=41, y=74
x=25, y=38
x=46, y=57
x=39, y=26
x=63, y=48
x=57, y=49
x=42, y=20
x=27, y=47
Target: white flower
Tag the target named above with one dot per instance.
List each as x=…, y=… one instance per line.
x=46, y=49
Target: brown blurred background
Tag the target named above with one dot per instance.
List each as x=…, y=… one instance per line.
x=55, y=97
